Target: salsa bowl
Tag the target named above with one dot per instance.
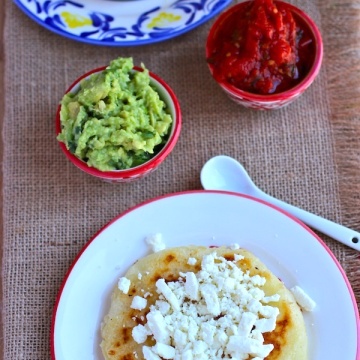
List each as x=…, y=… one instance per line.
x=259, y=63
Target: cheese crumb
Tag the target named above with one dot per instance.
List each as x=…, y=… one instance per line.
x=157, y=325
x=238, y=257
x=192, y=261
x=138, y=303
x=124, y=285
x=234, y=246
x=208, y=291
x=156, y=242
x=164, y=351
x=192, y=286
x=164, y=289
x=149, y=354
x=140, y=333
x=303, y=299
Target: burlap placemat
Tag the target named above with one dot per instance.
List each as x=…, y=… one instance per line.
x=306, y=154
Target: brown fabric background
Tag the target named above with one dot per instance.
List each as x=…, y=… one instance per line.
x=306, y=154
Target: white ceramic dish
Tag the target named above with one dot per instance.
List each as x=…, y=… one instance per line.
x=121, y=23
x=289, y=248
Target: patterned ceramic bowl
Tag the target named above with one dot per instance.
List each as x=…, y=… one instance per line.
x=131, y=174
x=313, y=58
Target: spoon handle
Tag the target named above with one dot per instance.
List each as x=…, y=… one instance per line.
x=336, y=231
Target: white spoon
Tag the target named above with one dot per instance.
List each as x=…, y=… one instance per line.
x=225, y=173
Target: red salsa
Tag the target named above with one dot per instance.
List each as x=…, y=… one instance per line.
x=262, y=48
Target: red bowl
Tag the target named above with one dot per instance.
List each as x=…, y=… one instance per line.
x=276, y=100
x=131, y=174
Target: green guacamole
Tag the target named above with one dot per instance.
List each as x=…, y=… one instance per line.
x=116, y=120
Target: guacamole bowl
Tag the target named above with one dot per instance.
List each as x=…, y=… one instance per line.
x=119, y=161
x=264, y=55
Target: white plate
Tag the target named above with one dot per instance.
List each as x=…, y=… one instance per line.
x=121, y=22
x=290, y=249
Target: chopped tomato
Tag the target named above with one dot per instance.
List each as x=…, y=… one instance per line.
x=260, y=49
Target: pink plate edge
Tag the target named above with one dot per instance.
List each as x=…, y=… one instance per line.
x=190, y=192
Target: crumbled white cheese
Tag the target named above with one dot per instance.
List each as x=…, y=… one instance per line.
x=139, y=276
x=192, y=261
x=140, y=333
x=149, y=354
x=218, y=312
x=164, y=289
x=187, y=355
x=124, y=285
x=272, y=298
x=265, y=325
x=138, y=303
x=238, y=257
x=245, y=345
x=192, y=286
x=209, y=293
x=157, y=324
x=234, y=246
x=156, y=242
x=163, y=306
x=164, y=351
x=229, y=284
x=303, y=299
x=246, y=324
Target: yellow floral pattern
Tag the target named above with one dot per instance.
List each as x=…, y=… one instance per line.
x=74, y=21
x=163, y=19
x=93, y=23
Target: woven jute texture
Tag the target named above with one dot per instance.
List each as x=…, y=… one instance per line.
x=306, y=154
